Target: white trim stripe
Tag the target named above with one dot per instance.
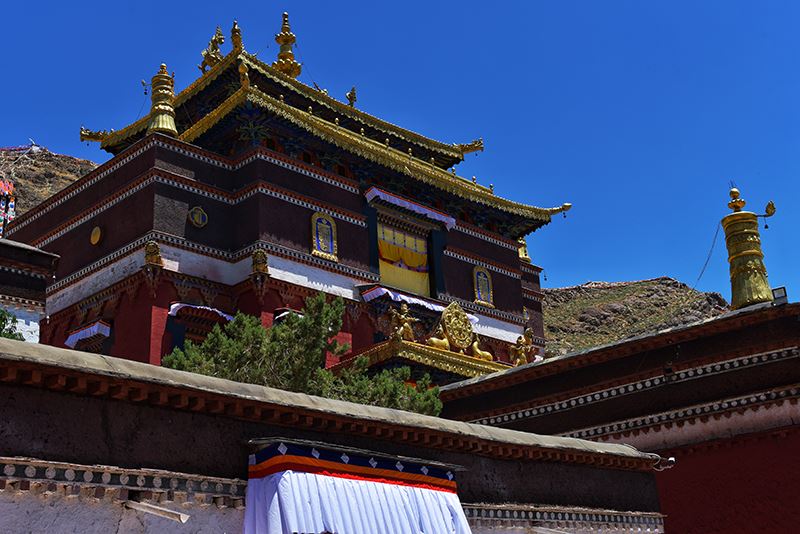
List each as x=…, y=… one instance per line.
x=198, y=191
x=483, y=264
x=273, y=248
x=192, y=154
x=479, y=235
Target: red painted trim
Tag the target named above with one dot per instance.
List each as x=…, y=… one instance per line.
x=323, y=467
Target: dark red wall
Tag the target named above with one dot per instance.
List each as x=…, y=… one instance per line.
x=742, y=485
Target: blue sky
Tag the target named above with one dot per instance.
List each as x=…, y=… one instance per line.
x=639, y=113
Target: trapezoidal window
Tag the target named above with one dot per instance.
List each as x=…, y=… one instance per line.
x=403, y=260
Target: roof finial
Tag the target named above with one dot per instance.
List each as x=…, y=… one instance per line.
x=736, y=203
x=351, y=97
x=749, y=283
x=162, y=112
x=236, y=37
x=286, y=63
x=212, y=54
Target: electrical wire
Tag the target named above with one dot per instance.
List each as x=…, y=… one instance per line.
x=708, y=258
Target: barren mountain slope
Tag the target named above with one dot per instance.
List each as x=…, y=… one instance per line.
x=38, y=173
x=596, y=313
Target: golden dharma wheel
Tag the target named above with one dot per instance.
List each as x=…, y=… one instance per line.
x=457, y=327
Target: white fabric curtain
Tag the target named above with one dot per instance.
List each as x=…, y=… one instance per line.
x=291, y=502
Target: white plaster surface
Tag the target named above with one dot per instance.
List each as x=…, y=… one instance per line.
x=26, y=512
x=221, y=271
x=97, y=281
x=27, y=322
x=497, y=329
x=201, y=266
x=312, y=277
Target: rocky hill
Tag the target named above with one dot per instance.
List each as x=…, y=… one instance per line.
x=38, y=173
x=596, y=313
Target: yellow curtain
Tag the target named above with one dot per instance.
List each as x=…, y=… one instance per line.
x=394, y=254
x=406, y=279
x=395, y=246
x=403, y=260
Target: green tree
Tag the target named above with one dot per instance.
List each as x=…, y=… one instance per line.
x=291, y=356
x=8, y=326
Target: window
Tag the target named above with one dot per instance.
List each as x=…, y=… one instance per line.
x=482, y=280
x=323, y=237
x=403, y=259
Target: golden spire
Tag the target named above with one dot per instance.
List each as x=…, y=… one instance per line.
x=749, y=283
x=162, y=94
x=286, y=63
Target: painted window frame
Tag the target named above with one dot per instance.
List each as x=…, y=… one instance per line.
x=478, y=300
x=315, y=249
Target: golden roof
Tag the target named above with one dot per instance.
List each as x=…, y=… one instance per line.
x=342, y=137
x=444, y=360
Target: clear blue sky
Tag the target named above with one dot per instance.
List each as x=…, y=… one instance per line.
x=639, y=113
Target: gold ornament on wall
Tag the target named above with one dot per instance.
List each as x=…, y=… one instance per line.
x=482, y=285
x=198, y=217
x=323, y=237
x=259, y=274
x=96, y=236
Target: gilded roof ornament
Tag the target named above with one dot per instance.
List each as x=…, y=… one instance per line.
x=94, y=135
x=523, y=250
x=402, y=323
x=244, y=77
x=212, y=54
x=749, y=284
x=162, y=96
x=366, y=147
x=351, y=97
x=286, y=39
x=473, y=146
x=736, y=203
x=236, y=37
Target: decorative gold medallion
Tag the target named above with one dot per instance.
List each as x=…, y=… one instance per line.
x=457, y=326
x=96, y=236
x=198, y=217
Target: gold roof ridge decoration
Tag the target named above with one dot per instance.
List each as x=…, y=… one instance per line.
x=370, y=149
x=444, y=360
x=111, y=137
x=286, y=62
x=342, y=137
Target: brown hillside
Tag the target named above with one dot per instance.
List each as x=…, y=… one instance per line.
x=597, y=313
x=38, y=173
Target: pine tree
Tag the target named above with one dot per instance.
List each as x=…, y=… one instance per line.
x=291, y=356
x=8, y=326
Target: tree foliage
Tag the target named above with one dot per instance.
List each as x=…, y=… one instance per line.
x=291, y=356
x=8, y=326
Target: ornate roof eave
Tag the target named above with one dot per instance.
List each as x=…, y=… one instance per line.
x=444, y=360
x=116, y=137
x=371, y=150
x=455, y=150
